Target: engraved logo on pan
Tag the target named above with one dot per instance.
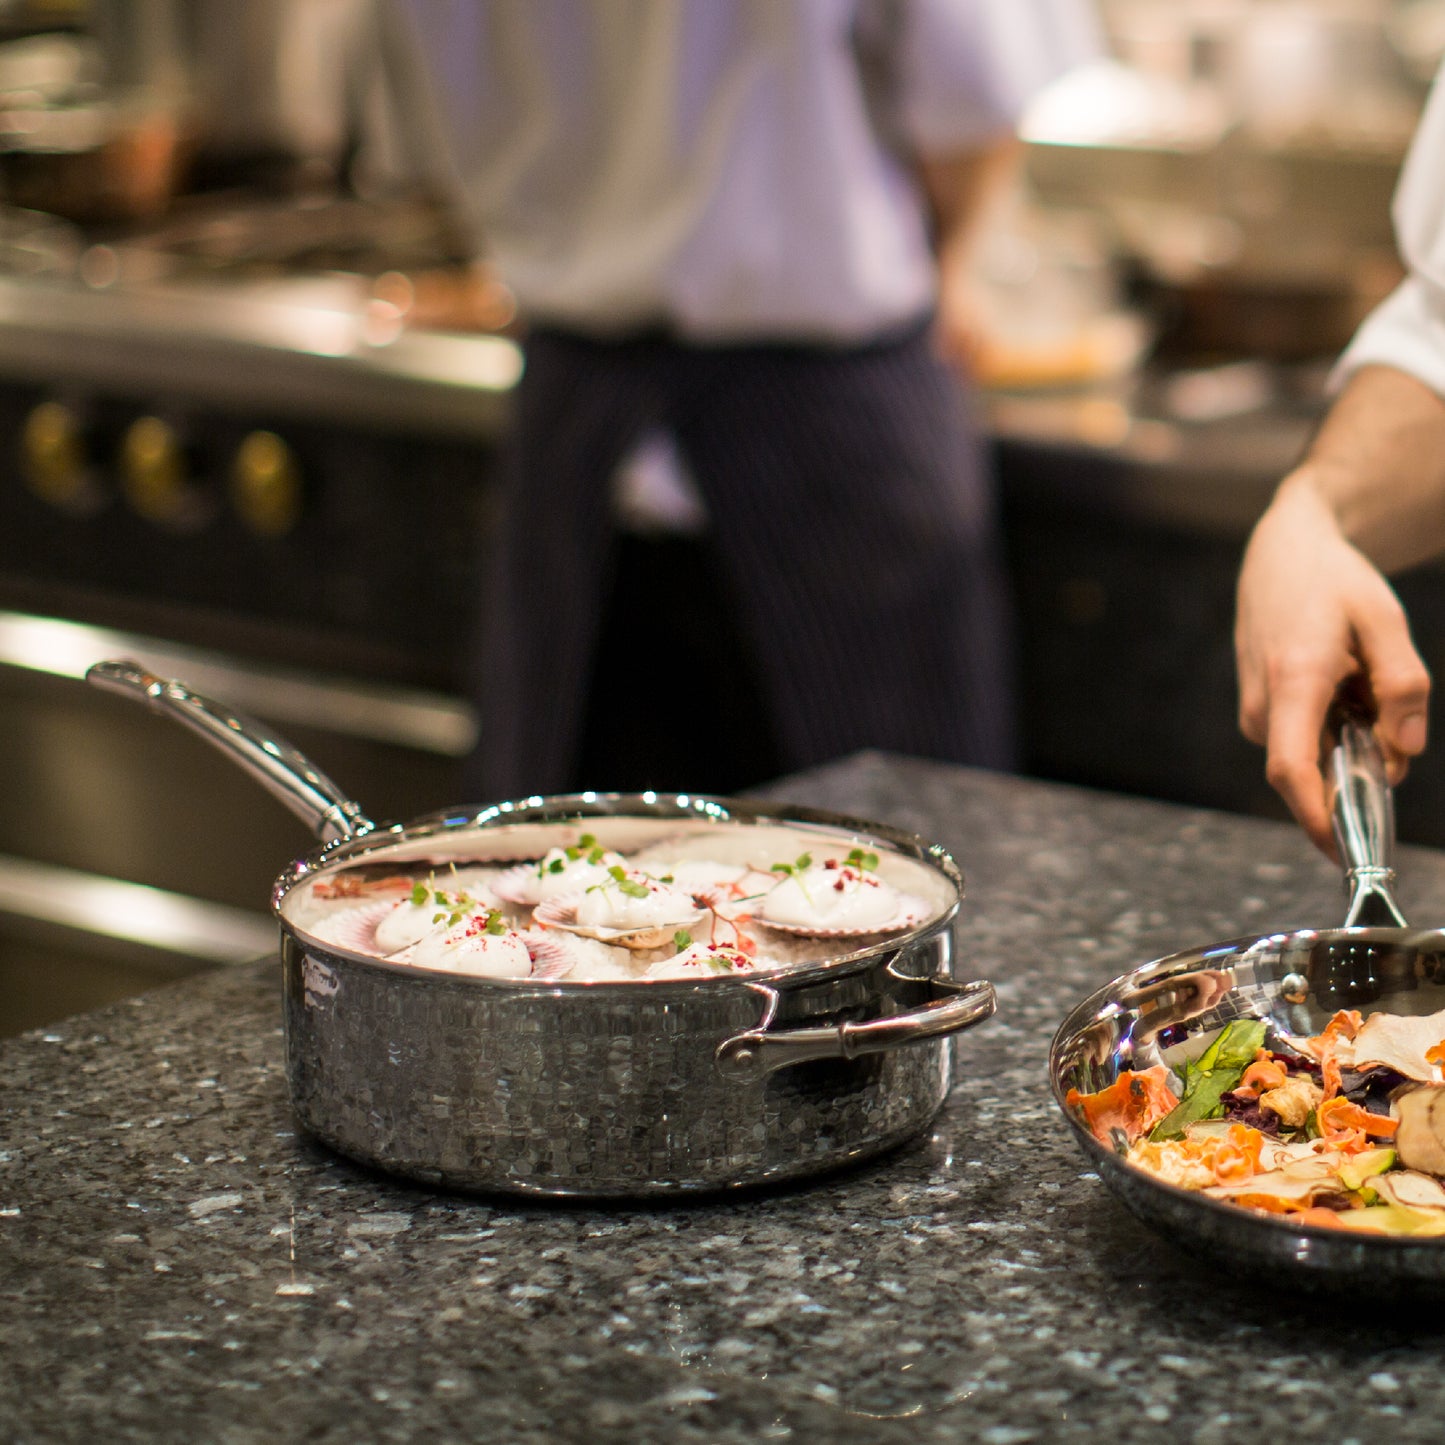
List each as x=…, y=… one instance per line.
x=318, y=982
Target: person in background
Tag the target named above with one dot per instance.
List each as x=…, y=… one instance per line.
x=747, y=225
x=1315, y=612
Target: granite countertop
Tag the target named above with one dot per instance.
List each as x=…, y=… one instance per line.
x=177, y=1264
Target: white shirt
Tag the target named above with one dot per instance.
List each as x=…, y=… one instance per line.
x=1407, y=329
x=720, y=167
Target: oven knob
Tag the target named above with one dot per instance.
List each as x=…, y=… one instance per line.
x=266, y=485
x=155, y=475
x=54, y=461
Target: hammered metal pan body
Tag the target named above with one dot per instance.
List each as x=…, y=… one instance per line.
x=620, y=1089
x=615, y=1092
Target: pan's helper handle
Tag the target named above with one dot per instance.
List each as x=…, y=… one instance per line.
x=1364, y=824
x=748, y=1057
x=271, y=760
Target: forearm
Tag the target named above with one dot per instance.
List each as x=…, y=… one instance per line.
x=1378, y=466
x=961, y=188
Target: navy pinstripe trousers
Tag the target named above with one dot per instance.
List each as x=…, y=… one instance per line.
x=853, y=514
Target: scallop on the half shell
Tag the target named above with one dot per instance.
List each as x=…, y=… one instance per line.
x=560, y=872
x=355, y=928
x=628, y=909
x=838, y=900
x=701, y=961
x=478, y=945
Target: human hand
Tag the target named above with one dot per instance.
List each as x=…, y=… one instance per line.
x=1312, y=613
x=960, y=327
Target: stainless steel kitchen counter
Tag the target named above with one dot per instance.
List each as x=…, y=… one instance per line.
x=179, y=1264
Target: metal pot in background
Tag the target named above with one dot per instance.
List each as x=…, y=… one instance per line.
x=597, y=1089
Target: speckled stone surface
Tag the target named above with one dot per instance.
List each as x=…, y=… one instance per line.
x=177, y=1264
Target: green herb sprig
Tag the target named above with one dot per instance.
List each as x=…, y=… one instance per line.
x=617, y=878
x=452, y=908
x=586, y=847
x=800, y=864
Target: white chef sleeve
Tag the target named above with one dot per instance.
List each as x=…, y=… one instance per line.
x=1407, y=329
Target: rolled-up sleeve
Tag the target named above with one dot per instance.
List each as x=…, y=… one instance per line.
x=966, y=69
x=1406, y=331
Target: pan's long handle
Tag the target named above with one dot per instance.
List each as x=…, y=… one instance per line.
x=1364, y=823
x=279, y=767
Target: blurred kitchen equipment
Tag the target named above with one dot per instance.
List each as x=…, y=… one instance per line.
x=1051, y=308
x=94, y=123
x=636, y=1088
x=1245, y=155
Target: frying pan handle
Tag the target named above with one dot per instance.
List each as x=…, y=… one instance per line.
x=748, y=1057
x=271, y=760
x=1364, y=824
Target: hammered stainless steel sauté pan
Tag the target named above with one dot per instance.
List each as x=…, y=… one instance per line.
x=594, y=1088
x=1294, y=980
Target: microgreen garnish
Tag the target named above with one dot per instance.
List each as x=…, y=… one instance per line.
x=800, y=864
x=586, y=847
x=683, y=939
x=723, y=959
x=626, y=885
x=453, y=907
x=863, y=860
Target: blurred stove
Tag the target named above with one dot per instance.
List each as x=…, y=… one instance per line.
x=241, y=447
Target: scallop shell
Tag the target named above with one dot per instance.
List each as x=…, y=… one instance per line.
x=562, y=913
x=352, y=928
x=901, y=923
x=909, y=912
x=558, y=954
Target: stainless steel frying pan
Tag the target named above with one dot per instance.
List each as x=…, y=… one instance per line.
x=1295, y=980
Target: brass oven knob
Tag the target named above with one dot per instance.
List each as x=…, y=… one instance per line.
x=266, y=485
x=155, y=476
x=52, y=448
